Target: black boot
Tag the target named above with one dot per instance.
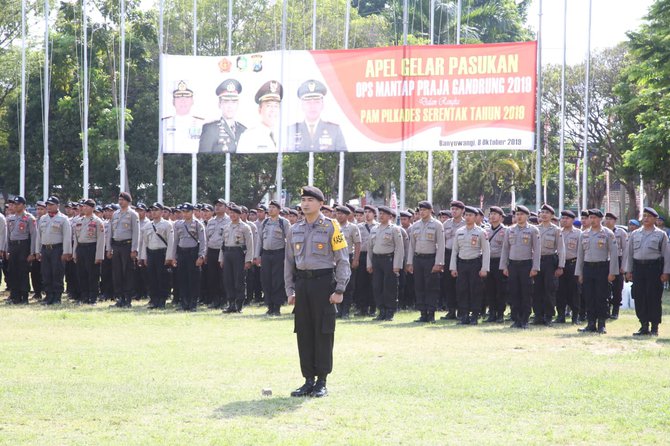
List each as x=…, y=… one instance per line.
x=643, y=331
x=319, y=390
x=430, y=316
x=590, y=328
x=305, y=389
x=474, y=318
x=493, y=316
x=560, y=319
x=601, y=326
x=381, y=315
x=465, y=320
x=389, y=315
x=615, y=313
x=423, y=318
x=654, y=330
x=450, y=316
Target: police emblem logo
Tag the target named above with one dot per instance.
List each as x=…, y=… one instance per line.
x=273, y=86
x=181, y=86
x=311, y=87
x=230, y=87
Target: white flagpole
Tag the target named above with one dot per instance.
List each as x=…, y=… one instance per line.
x=159, y=159
x=538, y=116
x=561, y=163
x=340, y=188
x=585, y=173
x=84, y=17
x=22, y=140
x=194, y=155
x=45, y=177
x=403, y=154
x=310, y=163
x=429, y=192
x=283, y=52
x=122, y=102
x=454, y=163
x=230, y=53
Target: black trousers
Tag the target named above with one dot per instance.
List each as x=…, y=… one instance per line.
x=158, y=277
x=36, y=276
x=426, y=282
x=18, y=269
x=363, y=297
x=106, y=279
x=616, y=290
x=53, y=270
x=384, y=282
x=544, y=296
x=72, y=280
x=272, y=277
x=496, y=287
x=141, y=282
x=234, y=277
x=520, y=289
x=214, y=275
x=449, y=296
x=406, y=296
x=648, y=291
x=122, y=271
x=568, y=292
x=88, y=272
x=349, y=291
x=595, y=289
x=189, y=277
x=253, y=284
x=469, y=285
x=315, y=324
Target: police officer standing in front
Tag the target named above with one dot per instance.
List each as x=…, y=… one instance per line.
x=316, y=275
x=269, y=257
x=648, y=266
x=191, y=249
x=425, y=260
x=520, y=262
x=597, y=264
x=388, y=254
x=122, y=244
x=552, y=262
x=157, y=242
x=89, y=251
x=616, y=286
x=53, y=247
x=21, y=233
x=214, y=235
x=496, y=283
x=352, y=235
x=568, y=290
x=235, y=258
x=449, y=297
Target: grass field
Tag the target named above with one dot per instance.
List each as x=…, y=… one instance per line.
x=96, y=376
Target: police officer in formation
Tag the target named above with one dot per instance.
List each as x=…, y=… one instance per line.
x=364, y=293
x=568, y=288
x=352, y=235
x=235, y=258
x=89, y=251
x=122, y=245
x=496, y=283
x=617, y=285
x=188, y=256
x=316, y=275
x=22, y=234
x=270, y=257
x=448, y=290
x=386, y=253
x=552, y=262
x=53, y=247
x=156, y=242
x=214, y=236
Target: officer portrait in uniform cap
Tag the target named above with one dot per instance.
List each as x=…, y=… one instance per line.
x=223, y=134
x=264, y=137
x=314, y=134
x=183, y=128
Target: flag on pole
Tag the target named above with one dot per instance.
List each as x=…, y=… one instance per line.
x=394, y=202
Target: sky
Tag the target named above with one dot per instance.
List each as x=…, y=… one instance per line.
x=610, y=21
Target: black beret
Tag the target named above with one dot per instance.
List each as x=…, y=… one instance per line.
x=126, y=196
x=585, y=213
x=369, y=207
x=497, y=210
x=533, y=214
x=546, y=207
x=229, y=89
x=358, y=210
x=98, y=208
x=471, y=210
x=207, y=207
x=234, y=208
x=480, y=212
x=343, y=209
x=314, y=192
x=568, y=213
x=293, y=212
x=187, y=207
x=411, y=211
x=425, y=204
x=312, y=89
x=52, y=200
x=270, y=91
x=597, y=212
x=262, y=207
x=651, y=211
x=115, y=206
x=405, y=214
x=221, y=201
x=19, y=200
x=387, y=210
x=521, y=208
x=533, y=219
x=40, y=204
x=350, y=207
x=457, y=204
x=444, y=212
x=244, y=209
x=326, y=208
x=156, y=206
x=142, y=206
x=611, y=215
x=89, y=202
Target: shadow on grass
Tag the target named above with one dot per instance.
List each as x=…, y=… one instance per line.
x=259, y=408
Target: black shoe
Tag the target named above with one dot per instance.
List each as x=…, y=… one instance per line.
x=492, y=317
x=118, y=304
x=590, y=328
x=450, y=316
x=538, y=321
x=319, y=390
x=381, y=315
x=643, y=331
x=474, y=320
x=430, y=317
x=230, y=309
x=523, y=325
x=305, y=389
x=422, y=319
x=560, y=319
x=465, y=320
x=601, y=326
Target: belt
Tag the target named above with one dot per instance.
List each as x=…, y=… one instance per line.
x=157, y=249
x=548, y=256
x=85, y=244
x=648, y=262
x=478, y=259
x=272, y=251
x=54, y=246
x=188, y=247
x=313, y=273
x=519, y=262
x=122, y=242
x=389, y=255
x=571, y=260
x=234, y=248
x=605, y=262
x=18, y=242
x=422, y=256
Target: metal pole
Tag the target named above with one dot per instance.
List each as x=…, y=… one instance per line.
x=45, y=177
x=194, y=155
x=403, y=154
x=561, y=162
x=340, y=186
x=84, y=18
x=454, y=162
x=429, y=194
x=22, y=140
x=310, y=163
x=230, y=52
x=159, y=160
x=283, y=52
x=122, y=101
x=585, y=173
x=641, y=197
x=538, y=116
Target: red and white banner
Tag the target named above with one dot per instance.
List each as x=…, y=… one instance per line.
x=416, y=98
